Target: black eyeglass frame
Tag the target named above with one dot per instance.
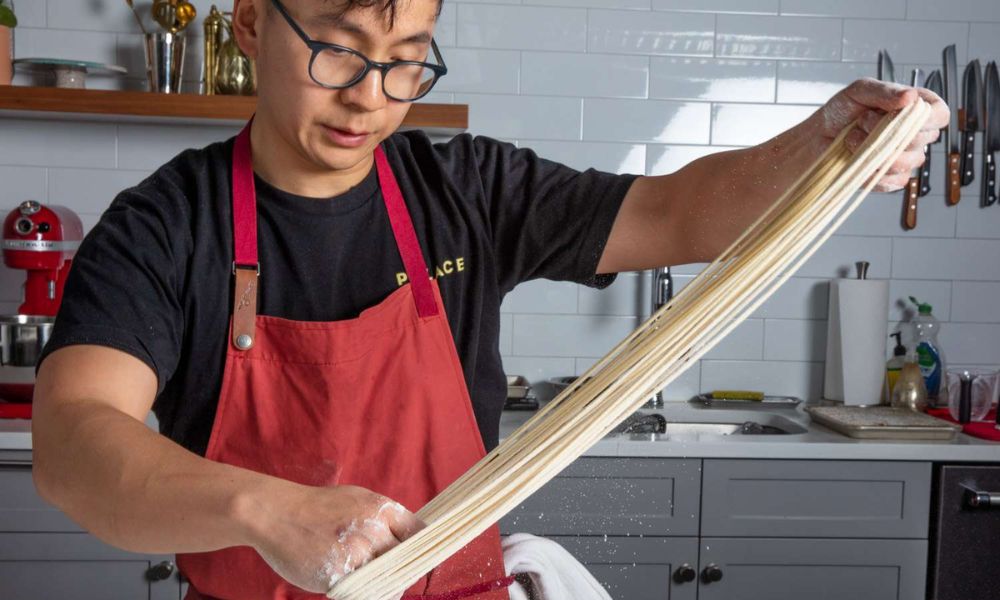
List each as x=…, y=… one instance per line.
x=317, y=47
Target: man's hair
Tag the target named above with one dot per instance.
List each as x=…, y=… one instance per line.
x=385, y=7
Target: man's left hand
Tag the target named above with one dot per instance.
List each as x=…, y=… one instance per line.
x=867, y=101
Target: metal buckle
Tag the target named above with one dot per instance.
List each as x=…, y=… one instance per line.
x=256, y=266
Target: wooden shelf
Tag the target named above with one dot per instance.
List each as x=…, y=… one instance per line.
x=107, y=105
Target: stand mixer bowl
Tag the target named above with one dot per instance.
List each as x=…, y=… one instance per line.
x=22, y=338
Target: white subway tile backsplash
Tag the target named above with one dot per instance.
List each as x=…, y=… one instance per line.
x=516, y=117
x=30, y=142
x=80, y=45
x=882, y=214
x=984, y=41
x=645, y=121
x=446, y=29
x=146, y=147
x=798, y=298
x=541, y=296
x=538, y=369
x=745, y=342
x=506, y=334
x=720, y=80
x=480, y=71
x=973, y=221
x=799, y=38
x=522, y=27
x=750, y=124
x=618, y=4
x=591, y=75
x=18, y=184
x=973, y=260
x=837, y=256
x=631, y=32
x=30, y=13
x=862, y=9
x=906, y=41
x=975, y=302
x=89, y=190
x=953, y=10
x=935, y=293
x=802, y=82
x=611, y=157
x=624, y=297
x=795, y=340
x=801, y=379
x=568, y=335
x=767, y=7
x=663, y=159
x=970, y=343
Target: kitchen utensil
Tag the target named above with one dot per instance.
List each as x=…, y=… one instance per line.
x=971, y=117
x=953, y=170
x=886, y=70
x=882, y=422
x=517, y=386
x=978, y=389
x=164, y=61
x=164, y=13
x=911, y=193
x=135, y=14
x=935, y=85
x=991, y=133
x=68, y=73
x=226, y=70
x=720, y=400
x=185, y=14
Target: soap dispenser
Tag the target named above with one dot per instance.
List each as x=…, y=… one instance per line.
x=894, y=365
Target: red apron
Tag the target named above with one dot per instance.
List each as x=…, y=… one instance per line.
x=378, y=401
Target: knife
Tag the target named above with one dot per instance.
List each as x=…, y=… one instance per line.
x=886, y=70
x=991, y=134
x=971, y=117
x=911, y=193
x=953, y=171
x=933, y=84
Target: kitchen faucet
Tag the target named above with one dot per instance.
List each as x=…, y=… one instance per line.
x=663, y=291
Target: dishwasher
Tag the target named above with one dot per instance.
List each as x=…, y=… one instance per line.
x=965, y=533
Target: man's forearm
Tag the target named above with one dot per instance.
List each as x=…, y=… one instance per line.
x=137, y=490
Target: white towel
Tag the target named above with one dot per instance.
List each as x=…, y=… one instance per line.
x=555, y=573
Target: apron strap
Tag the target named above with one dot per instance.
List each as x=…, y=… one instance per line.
x=406, y=237
x=246, y=268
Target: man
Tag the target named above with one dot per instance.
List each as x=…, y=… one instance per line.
x=295, y=416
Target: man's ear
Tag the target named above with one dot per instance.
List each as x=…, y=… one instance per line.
x=247, y=15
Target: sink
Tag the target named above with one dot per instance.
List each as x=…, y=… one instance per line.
x=686, y=422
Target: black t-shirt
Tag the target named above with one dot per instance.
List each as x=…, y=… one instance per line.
x=154, y=276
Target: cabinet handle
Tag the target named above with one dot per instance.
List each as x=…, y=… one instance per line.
x=982, y=500
x=160, y=571
x=711, y=574
x=684, y=574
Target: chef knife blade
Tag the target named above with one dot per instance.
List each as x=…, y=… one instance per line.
x=886, y=70
x=911, y=193
x=935, y=85
x=953, y=170
x=971, y=117
x=991, y=133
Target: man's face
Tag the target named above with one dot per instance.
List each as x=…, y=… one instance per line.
x=318, y=122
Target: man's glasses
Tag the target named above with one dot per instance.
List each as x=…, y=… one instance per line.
x=337, y=67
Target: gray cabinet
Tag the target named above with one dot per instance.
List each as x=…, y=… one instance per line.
x=43, y=554
x=818, y=569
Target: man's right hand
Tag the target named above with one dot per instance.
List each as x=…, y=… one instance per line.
x=312, y=537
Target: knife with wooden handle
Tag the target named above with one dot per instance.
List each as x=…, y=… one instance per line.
x=991, y=134
x=911, y=193
x=935, y=85
x=971, y=118
x=953, y=170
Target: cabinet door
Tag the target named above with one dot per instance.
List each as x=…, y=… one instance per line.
x=78, y=566
x=817, y=569
x=21, y=509
x=614, y=496
x=636, y=568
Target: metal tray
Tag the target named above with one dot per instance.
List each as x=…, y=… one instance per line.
x=882, y=423
x=768, y=402
x=517, y=387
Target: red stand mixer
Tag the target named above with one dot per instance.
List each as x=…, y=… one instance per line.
x=42, y=240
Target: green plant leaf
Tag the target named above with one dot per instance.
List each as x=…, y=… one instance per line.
x=7, y=17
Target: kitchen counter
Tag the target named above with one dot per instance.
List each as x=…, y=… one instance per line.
x=817, y=442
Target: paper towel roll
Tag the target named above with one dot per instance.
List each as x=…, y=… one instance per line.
x=857, y=333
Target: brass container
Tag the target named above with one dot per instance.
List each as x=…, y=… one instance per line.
x=226, y=69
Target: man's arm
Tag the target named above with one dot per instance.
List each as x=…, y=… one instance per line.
x=694, y=214
x=94, y=458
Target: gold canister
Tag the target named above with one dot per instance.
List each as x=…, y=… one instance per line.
x=227, y=70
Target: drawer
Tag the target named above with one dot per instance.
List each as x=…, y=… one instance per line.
x=794, y=569
x=77, y=566
x=21, y=508
x=612, y=496
x=838, y=499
